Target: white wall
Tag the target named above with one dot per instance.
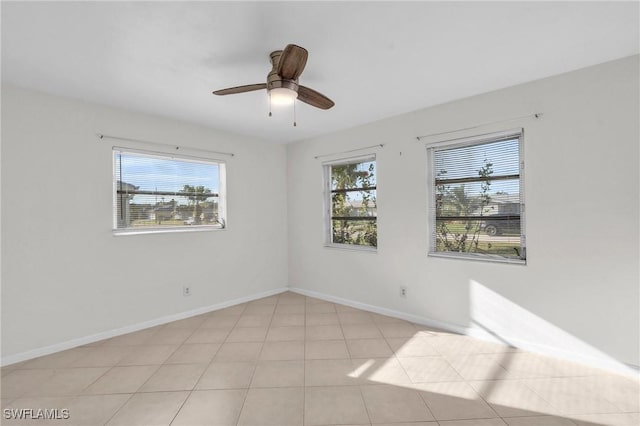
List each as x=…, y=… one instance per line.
x=65, y=276
x=578, y=294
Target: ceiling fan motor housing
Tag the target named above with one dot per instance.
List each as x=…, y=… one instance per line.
x=274, y=80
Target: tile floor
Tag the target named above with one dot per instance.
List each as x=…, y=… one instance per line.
x=294, y=360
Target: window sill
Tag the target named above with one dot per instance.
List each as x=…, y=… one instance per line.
x=123, y=232
x=350, y=247
x=479, y=258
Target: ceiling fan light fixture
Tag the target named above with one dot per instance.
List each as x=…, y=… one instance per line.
x=282, y=96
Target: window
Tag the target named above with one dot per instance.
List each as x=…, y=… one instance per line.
x=477, y=203
x=351, y=202
x=154, y=192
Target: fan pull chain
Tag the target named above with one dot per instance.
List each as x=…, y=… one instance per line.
x=269, y=103
x=294, y=114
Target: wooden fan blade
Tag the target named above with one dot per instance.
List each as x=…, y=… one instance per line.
x=240, y=89
x=292, y=62
x=313, y=98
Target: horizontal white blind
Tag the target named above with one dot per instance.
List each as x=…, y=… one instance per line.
x=477, y=205
x=155, y=191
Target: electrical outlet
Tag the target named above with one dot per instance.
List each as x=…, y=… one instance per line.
x=186, y=291
x=403, y=291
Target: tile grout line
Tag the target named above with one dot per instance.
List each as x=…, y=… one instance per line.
x=360, y=382
x=255, y=363
x=304, y=362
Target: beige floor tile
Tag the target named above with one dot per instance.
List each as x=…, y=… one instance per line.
x=623, y=392
x=330, y=372
x=169, y=336
x=231, y=310
x=210, y=408
x=539, y=421
x=132, y=339
x=414, y=346
x=122, y=380
x=208, y=335
x=320, y=308
x=287, y=350
x=380, y=371
x=454, y=344
x=426, y=331
x=57, y=360
x=408, y=424
x=357, y=317
x=103, y=356
x=345, y=308
x=67, y=381
x=254, y=320
x=324, y=332
x=94, y=410
x=188, y=323
x=400, y=329
x=148, y=355
x=326, y=349
x=474, y=422
x=454, y=401
x=176, y=377
x=287, y=320
x=195, y=353
x=269, y=300
x=386, y=403
x=361, y=331
x=247, y=334
x=259, y=309
x=337, y=405
x=429, y=369
x=369, y=348
x=278, y=374
x=298, y=308
x=564, y=368
x=225, y=322
x=149, y=409
x=329, y=318
x=612, y=419
x=479, y=367
x=240, y=351
x=273, y=407
x=271, y=372
x=384, y=319
x=512, y=398
x=570, y=396
x=279, y=334
x=289, y=297
x=523, y=365
x=96, y=343
x=227, y=375
x=9, y=369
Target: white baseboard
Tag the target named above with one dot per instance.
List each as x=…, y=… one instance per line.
x=47, y=350
x=603, y=363
x=383, y=311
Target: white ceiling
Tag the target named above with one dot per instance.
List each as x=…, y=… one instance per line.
x=374, y=59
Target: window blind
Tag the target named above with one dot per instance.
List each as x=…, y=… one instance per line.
x=155, y=191
x=477, y=198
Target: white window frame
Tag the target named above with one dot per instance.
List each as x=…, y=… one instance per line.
x=222, y=193
x=327, y=204
x=431, y=194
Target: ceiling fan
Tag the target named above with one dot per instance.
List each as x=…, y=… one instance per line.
x=282, y=81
